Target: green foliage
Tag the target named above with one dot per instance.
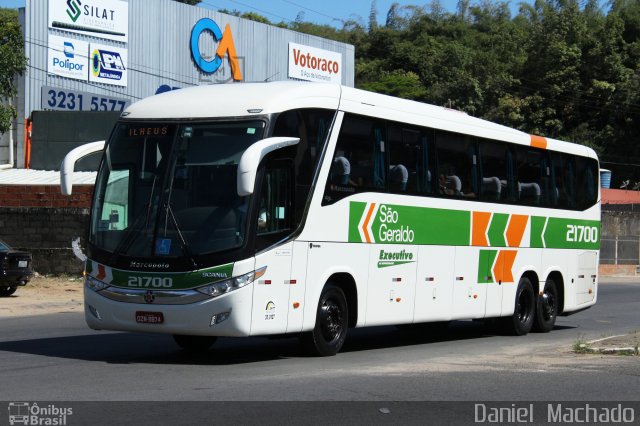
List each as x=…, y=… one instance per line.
x=12, y=62
x=560, y=68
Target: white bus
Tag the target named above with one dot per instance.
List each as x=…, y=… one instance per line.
x=300, y=208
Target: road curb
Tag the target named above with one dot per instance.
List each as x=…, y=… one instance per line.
x=599, y=346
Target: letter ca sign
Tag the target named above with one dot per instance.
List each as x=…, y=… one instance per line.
x=226, y=46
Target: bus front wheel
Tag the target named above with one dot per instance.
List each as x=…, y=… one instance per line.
x=194, y=343
x=521, y=321
x=332, y=321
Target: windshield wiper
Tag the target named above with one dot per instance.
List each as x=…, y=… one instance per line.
x=129, y=235
x=183, y=243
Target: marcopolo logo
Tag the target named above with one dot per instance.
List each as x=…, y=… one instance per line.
x=73, y=9
x=226, y=47
x=25, y=413
x=107, y=64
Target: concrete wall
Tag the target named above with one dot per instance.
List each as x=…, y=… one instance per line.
x=620, y=223
x=46, y=233
x=39, y=219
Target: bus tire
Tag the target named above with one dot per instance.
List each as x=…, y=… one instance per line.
x=194, y=344
x=546, y=308
x=332, y=321
x=521, y=322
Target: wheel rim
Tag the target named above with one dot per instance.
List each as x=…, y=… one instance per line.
x=524, y=306
x=331, y=324
x=548, y=305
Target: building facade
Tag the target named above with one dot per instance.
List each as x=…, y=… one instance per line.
x=102, y=55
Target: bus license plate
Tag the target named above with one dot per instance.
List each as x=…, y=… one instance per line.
x=149, y=317
x=22, y=263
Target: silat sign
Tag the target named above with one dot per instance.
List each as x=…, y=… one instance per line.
x=98, y=18
x=226, y=47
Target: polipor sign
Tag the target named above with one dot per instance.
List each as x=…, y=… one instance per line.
x=313, y=64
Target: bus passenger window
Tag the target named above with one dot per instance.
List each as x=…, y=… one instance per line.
x=409, y=153
x=496, y=170
x=359, y=163
x=457, y=165
x=529, y=174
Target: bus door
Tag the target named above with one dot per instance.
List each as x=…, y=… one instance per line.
x=274, y=223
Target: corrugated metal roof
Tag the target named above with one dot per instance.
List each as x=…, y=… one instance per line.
x=42, y=177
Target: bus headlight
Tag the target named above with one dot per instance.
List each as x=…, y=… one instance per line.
x=226, y=286
x=94, y=284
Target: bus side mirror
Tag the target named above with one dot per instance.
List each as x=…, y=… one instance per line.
x=251, y=158
x=70, y=160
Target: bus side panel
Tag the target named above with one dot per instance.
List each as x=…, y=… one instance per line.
x=326, y=259
x=391, y=287
x=434, y=284
x=560, y=260
x=526, y=260
x=469, y=296
x=298, y=286
x=271, y=291
x=587, y=270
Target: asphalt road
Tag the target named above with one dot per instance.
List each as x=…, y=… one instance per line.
x=57, y=358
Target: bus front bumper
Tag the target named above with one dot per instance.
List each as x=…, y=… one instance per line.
x=225, y=315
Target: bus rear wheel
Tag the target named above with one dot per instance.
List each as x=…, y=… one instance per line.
x=546, y=308
x=332, y=321
x=194, y=344
x=521, y=321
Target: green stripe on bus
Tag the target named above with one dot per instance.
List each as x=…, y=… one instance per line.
x=537, y=225
x=496, y=230
x=485, y=263
x=395, y=224
x=565, y=233
x=356, y=210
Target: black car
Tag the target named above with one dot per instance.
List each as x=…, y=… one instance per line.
x=15, y=269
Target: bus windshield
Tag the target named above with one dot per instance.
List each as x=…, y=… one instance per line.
x=170, y=189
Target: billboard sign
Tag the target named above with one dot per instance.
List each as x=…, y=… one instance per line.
x=313, y=64
x=108, y=64
x=68, y=57
x=107, y=19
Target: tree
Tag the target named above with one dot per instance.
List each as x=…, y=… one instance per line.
x=12, y=63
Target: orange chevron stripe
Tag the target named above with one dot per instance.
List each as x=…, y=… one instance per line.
x=101, y=273
x=365, y=225
x=479, y=229
x=538, y=142
x=502, y=271
x=515, y=229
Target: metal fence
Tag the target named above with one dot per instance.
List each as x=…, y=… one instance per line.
x=622, y=250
